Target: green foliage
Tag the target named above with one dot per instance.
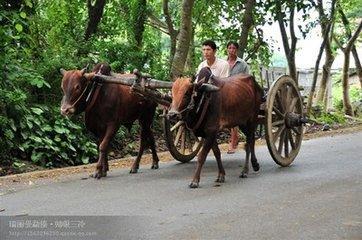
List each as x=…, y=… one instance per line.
x=30, y=78
x=51, y=140
x=331, y=118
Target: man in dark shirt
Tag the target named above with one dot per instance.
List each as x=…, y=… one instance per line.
x=236, y=66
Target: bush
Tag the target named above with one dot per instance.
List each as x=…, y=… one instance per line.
x=331, y=118
x=50, y=140
x=320, y=115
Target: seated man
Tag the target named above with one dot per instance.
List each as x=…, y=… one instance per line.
x=218, y=66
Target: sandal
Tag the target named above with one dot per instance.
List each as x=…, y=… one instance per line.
x=231, y=151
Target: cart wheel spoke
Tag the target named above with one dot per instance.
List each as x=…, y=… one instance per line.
x=278, y=123
x=196, y=144
x=286, y=143
x=288, y=96
x=281, y=141
x=178, y=124
x=277, y=133
x=183, y=142
x=279, y=103
x=178, y=135
x=279, y=113
x=296, y=130
x=189, y=142
x=292, y=104
x=291, y=140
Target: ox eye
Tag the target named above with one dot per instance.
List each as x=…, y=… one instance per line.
x=77, y=87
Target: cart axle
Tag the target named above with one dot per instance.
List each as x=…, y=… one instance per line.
x=295, y=120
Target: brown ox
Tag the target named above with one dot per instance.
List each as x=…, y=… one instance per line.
x=109, y=106
x=233, y=101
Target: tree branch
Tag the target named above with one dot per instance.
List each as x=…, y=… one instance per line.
x=95, y=14
x=338, y=42
x=354, y=37
x=345, y=21
x=282, y=29
x=167, y=16
x=291, y=28
x=257, y=45
x=153, y=21
x=247, y=23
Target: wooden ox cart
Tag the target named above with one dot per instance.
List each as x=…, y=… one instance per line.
x=282, y=116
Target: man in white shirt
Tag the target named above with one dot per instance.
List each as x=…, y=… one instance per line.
x=219, y=67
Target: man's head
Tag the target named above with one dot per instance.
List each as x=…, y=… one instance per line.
x=232, y=48
x=209, y=50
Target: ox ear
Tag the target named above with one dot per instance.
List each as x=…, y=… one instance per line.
x=62, y=71
x=206, y=87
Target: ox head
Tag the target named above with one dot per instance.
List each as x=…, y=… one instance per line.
x=184, y=94
x=74, y=85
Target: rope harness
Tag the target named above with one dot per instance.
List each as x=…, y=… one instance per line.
x=92, y=95
x=202, y=107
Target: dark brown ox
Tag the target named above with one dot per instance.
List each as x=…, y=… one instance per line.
x=109, y=106
x=233, y=101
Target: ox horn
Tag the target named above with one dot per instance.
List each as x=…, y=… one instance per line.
x=62, y=71
x=209, y=87
x=84, y=70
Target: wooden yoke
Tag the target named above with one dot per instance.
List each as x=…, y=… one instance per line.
x=142, y=84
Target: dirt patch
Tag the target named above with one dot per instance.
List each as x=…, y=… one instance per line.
x=30, y=177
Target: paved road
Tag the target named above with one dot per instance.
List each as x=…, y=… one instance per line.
x=318, y=197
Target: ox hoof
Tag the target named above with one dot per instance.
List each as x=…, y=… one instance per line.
x=243, y=175
x=154, y=166
x=133, y=170
x=256, y=166
x=220, y=179
x=98, y=175
x=194, y=185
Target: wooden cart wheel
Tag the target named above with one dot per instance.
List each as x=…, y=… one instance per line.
x=284, y=114
x=181, y=142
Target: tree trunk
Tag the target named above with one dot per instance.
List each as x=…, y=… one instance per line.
x=138, y=22
x=289, y=50
x=315, y=76
x=191, y=54
x=354, y=51
x=95, y=14
x=346, y=101
x=326, y=31
x=178, y=63
x=247, y=23
x=357, y=63
x=173, y=33
x=326, y=45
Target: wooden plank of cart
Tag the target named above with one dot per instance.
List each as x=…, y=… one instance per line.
x=282, y=116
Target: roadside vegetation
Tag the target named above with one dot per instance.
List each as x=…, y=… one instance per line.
x=39, y=37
